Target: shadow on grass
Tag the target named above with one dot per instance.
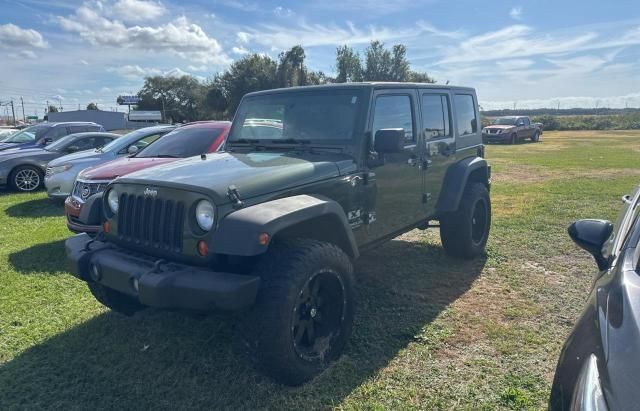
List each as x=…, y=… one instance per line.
x=42, y=207
x=48, y=258
x=158, y=360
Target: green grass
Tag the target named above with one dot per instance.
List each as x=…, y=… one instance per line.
x=430, y=332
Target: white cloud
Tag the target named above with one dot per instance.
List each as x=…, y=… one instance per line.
x=179, y=37
x=514, y=64
x=12, y=36
x=283, y=12
x=136, y=72
x=283, y=37
x=516, y=13
x=105, y=90
x=138, y=10
x=240, y=50
x=23, y=54
x=243, y=37
x=197, y=68
x=84, y=62
x=511, y=42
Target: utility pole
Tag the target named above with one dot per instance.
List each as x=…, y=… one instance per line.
x=23, y=116
x=13, y=113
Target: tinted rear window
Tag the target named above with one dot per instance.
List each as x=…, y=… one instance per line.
x=182, y=143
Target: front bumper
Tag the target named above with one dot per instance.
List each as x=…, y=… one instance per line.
x=157, y=283
x=72, y=209
x=496, y=138
x=60, y=185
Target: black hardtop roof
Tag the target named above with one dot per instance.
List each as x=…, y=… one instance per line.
x=365, y=85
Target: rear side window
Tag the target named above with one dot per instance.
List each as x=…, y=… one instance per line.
x=435, y=115
x=57, y=133
x=79, y=129
x=465, y=114
x=394, y=112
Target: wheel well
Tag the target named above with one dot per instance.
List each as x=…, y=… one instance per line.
x=327, y=228
x=479, y=175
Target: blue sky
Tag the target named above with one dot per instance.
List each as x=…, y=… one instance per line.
x=531, y=53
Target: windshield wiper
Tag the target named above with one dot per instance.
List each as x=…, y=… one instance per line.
x=244, y=141
x=291, y=141
x=164, y=156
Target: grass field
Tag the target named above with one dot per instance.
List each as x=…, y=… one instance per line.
x=430, y=331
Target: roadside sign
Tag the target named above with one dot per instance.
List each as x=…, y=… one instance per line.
x=140, y=115
x=128, y=100
x=32, y=117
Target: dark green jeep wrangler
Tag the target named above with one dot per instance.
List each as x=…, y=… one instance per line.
x=309, y=179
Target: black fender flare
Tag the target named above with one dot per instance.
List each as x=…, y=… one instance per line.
x=309, y=216
x=456, y=179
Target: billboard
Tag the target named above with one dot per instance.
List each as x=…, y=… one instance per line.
x=128, y=100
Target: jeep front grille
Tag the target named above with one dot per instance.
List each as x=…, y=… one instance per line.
x=151, y=222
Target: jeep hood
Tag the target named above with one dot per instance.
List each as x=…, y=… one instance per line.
x=253, y=174
x=120, y=167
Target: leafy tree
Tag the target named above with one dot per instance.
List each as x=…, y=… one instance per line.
x=253, y=72
x=183, y=97
x=52, y=109
x=348, y=65
x=92, y=106
x=291, y=69
x=378, y=62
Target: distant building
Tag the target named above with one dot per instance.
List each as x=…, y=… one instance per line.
x=110, y=120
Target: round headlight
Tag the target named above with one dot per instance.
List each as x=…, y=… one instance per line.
x=205, y=215
x=112, y=199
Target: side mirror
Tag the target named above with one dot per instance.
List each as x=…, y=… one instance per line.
x=46, y=140
x=132, y=149
x=590, y=235
x=389, y=140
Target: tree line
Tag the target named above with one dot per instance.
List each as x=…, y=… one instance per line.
x=186, y=98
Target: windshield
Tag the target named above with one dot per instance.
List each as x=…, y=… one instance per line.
x=27, y=135
x=183, y=142
x=504, y=121
x=129, y=138
x=60, y=144
x=311, y=116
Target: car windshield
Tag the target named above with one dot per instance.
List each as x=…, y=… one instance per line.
x=128, y=139
x=320, y=116
x=181, y=143
x=60, y=144
x=27, y=135
x=504, y=121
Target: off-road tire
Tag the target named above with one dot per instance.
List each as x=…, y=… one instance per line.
x=458, y=230
x=536, y=137
x=22, y=187
x=114, y=300
x=514, y=139
x=286, y=270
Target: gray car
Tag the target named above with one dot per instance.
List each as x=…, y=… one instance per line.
x=61, y=173
x=24, y=169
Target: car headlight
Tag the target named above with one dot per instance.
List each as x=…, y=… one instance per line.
x=113, y=201
x=58, y=169
x=205, y=215
x=588, y=394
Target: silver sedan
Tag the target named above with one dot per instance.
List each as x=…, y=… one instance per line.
x=61, y=173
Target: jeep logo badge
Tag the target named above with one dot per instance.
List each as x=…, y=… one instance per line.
x=86, y=191
x=150, y=192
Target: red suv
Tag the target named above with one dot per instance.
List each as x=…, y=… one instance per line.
x=186, y=141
